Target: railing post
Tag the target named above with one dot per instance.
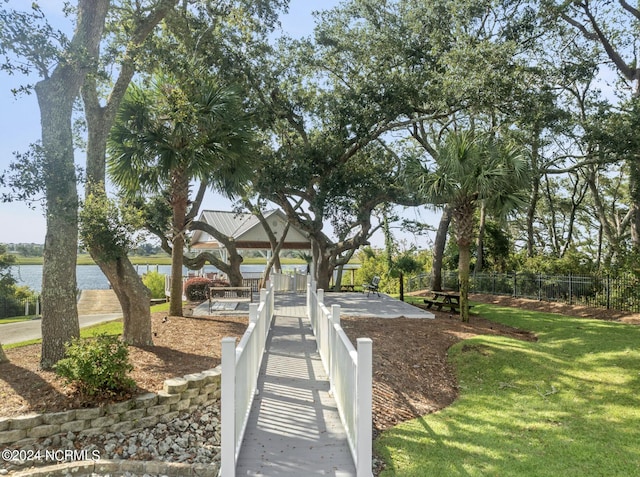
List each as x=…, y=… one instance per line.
x=364, y=402
x=335, y=320
x=227, y=408
x=253, y=312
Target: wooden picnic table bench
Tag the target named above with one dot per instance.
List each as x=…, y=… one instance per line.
x=444, y=299
x=229, y=294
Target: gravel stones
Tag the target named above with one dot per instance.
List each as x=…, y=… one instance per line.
x=190, y=438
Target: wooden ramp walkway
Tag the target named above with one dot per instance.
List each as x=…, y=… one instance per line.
x=294, y=428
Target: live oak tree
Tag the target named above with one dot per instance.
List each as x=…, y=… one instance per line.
x=129, y=27
x=62, y=70
x=204, y=29
x=125, y=52
x=328, y=159
x=612, y=26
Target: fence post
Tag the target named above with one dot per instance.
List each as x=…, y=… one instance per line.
x=365, y=401
x=263, y=295
x=227, y=408
x=570, y=288
x=608, y=291
x=540, y=286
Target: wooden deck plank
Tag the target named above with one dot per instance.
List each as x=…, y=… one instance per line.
x=294, y=428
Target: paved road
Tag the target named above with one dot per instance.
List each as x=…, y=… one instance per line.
x=29, y=330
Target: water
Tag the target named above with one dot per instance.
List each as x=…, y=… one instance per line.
x=89, y=277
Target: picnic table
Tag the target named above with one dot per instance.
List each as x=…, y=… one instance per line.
x=444, y=299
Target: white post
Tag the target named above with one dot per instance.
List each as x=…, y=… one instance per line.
x=38, y=305
x=26, y=307
x=365, y=401
x=335, y=320
x=335, y=314
x=253, y=312
x=227, y=408
x=263, y=294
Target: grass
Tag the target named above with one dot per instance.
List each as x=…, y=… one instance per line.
x=16, y=319
x=109, y=327
x=568, y=404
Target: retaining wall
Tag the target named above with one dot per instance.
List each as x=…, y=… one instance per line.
x=146, y=410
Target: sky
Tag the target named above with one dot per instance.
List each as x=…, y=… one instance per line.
x=19, y=127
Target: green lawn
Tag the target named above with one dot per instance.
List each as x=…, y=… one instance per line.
x=16, y=319
x=567, y=405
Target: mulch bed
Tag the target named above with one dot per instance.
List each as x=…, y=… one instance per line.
x=411, y=373
x=183, y=345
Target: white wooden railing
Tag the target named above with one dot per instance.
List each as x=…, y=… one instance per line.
x=240, y=368
x=350, y=375
x=289, y=282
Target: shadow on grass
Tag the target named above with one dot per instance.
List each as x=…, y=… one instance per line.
x=567, y=404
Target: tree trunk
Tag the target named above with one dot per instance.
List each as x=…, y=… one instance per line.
x=401, y=286
x=533, y=202
x=464, y=261
x=480, y=239
x=131, y=292
x=134, y=298
x=179, y=198
x=3, y=357
x=56, y=95
x=634, y=197
x=234, y=273
x=323, y=268
x=438, y=249
x=463, y=219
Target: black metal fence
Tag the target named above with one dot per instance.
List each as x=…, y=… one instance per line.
x=10, y=306
x=599, y=291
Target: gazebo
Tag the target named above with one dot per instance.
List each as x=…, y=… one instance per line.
x=247, y=232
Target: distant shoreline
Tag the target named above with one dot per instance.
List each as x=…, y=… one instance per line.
x=85, y=259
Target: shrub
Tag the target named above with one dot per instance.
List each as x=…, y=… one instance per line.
x=197, y=288
x=97, y=366
x=154, y=281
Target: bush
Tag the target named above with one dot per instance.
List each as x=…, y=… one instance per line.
x=97, y=366
x=197, y=288
x=154, y=281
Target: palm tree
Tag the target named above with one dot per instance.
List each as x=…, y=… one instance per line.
x=471, y=169
x=178, y=131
